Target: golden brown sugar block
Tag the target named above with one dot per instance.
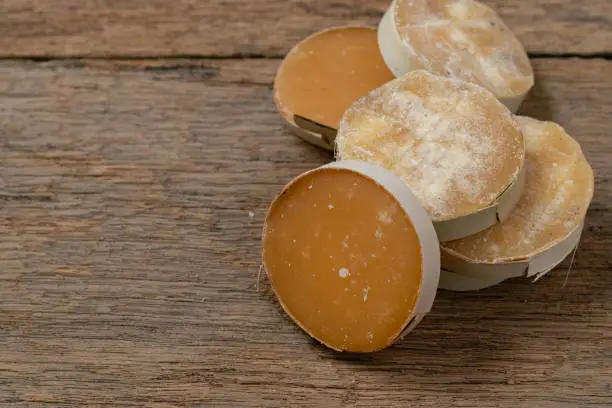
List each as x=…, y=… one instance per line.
x=345, y=260
x=325, y=73
x=453, y=143
x=557, y=194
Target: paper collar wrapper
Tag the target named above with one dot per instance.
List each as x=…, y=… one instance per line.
x=405, y=205
x=401, y=56
x=461, y=274
x=322, y=75
x=312, y=132
x=485, y=218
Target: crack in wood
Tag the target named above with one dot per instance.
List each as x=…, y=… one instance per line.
x=25, y=197
x=79, y=61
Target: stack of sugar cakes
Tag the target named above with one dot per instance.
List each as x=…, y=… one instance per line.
x=437, y=182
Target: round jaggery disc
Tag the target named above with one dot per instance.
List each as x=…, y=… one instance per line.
x=558, y=191
x=464, y=39
x=324, y=74
x=344, y=259
x=453, y=143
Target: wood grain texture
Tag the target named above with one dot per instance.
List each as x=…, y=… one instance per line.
x=136, y=28
x=131, y=199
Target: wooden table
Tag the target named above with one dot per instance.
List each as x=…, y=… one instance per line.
x=139, y=149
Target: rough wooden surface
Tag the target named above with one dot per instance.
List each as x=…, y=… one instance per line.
x=136, y=28
x=131, y=200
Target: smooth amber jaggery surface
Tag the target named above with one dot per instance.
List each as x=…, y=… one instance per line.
x=559, y=188
x=464, y=39
x=453, y=143
x=324, y=74
x=344, y=259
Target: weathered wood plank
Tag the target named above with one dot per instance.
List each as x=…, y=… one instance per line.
x=131, y=201
x=135, y=28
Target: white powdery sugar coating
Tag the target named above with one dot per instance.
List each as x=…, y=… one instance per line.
x=364, y=151
x=464, y=39
x=344, y=273
x=553, y=204
x=543, y=214
x=451, y=146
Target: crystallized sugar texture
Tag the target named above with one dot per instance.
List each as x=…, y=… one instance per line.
x=453, y=143
x=464, y=39
x=557, y=194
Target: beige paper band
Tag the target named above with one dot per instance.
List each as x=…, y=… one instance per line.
x=459, y=273
x=485, y=218
x=327, y=133
x=308, y=136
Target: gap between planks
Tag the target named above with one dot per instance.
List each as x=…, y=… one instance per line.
x=35, y=58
